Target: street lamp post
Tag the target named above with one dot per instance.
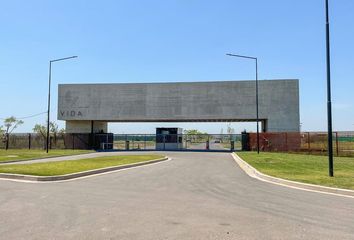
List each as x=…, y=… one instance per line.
x=49, y=83
x=257, y=115
x=329, y=101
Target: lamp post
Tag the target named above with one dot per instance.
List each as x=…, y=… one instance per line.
x=257, y=115
x=49, y=83
x=329, y=101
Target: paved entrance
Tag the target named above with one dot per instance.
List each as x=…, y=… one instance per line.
x=194, y=196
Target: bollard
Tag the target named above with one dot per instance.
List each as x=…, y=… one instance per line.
x=7, y=141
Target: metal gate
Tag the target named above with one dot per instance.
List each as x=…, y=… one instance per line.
x=188, y=142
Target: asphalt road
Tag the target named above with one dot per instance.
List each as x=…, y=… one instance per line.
x=196, y=195
x=212, y=146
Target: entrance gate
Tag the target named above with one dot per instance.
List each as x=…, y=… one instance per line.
x=189, y=142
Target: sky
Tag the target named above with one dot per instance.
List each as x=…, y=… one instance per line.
x=134, y=41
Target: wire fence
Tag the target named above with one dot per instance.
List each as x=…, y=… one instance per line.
x=304, y=142
x=38, y=141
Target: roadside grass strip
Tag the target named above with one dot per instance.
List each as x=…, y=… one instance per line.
x=26, y=154
x=58, y=168
x=303, y=168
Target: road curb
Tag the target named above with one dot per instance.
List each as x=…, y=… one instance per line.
x=75, y=175
x=47, y=157
x=254, y=173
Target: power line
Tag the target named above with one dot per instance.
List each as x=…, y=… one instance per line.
x=30, y=116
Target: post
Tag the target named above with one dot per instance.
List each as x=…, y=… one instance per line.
x=106, y=141
x=92, y=137
x=257, y=105
x=29, y=141
x=48, y=117
x=186, y=141
x=6, y=141
x=164, y=141
x=232, y=145
x=208, y=143
x=337, y=144
x=49, y=83
x=145, y=142
x=286, y=142
x=126, y=145
x=308, y=141
x=257, y=114
x=329, y=100
x=73, y=138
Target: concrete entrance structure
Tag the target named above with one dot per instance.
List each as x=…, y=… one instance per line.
x=87, y=108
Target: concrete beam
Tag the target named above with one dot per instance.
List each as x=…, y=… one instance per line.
x=181, y=102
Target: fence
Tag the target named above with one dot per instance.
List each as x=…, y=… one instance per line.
x=220, y=142
x=217, y=142
x=37, y=141
x=305, y=142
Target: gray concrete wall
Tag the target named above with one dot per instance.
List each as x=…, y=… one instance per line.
x=80, y=126
x=181, y=102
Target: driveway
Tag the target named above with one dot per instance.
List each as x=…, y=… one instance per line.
x=196, y=195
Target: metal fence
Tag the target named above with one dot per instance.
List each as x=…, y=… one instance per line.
x=305, y=142
x=38, y=141
x=216, y=142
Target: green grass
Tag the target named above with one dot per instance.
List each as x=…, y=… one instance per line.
x=25, y=154
x=74, y=166
x=303, y=168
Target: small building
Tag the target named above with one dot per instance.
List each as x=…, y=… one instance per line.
x=169, y=138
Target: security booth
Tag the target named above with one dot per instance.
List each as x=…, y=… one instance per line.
x=169, y=139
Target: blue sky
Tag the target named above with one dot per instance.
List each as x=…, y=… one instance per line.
x=175, y=40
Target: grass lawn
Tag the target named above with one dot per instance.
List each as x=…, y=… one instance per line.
x=74, y=166
x=303, y=168
x=24, y=154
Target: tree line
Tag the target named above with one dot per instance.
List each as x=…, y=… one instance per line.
x=11, y=123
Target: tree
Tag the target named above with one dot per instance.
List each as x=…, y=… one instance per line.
x=10, y=124
x=53, y=131
x=193, y=132
x=196, y=135
x=2, y=134
x=40, y=129
x=1, y=130
x=230, y=130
